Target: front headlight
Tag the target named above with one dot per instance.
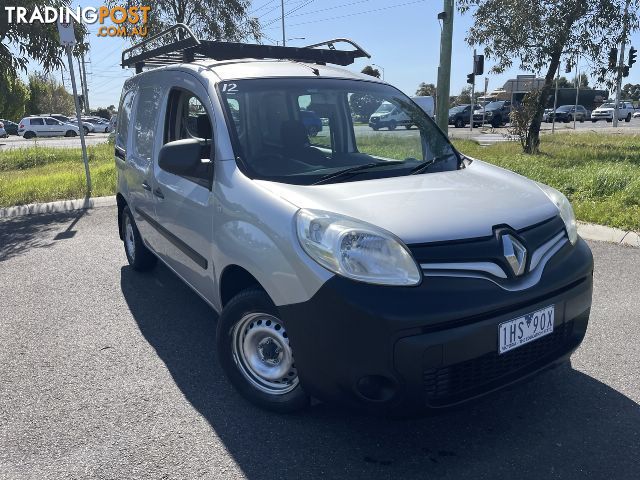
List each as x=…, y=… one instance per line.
x=565, y=209
x=355, y=249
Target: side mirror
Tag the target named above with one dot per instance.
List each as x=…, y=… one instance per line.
x=181, y=157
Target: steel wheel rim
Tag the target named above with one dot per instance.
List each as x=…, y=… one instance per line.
x=263, y=355
x=129, y=238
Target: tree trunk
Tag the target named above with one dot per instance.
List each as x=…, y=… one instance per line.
x=533, y=138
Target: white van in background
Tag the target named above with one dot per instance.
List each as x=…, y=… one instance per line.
x=426, y=103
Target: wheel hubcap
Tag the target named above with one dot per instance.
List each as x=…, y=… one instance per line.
x=129, y=239
x=263, y=355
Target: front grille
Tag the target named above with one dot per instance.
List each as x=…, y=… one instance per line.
x=455, y=383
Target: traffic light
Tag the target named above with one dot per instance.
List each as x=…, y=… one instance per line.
x=568, y=68
x=613, y=58
x=632, y=56
x=625, y=71
x=471, y=79
x=478, y=65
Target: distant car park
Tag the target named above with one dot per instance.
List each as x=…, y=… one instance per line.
x=568, y=113
x=10, y=127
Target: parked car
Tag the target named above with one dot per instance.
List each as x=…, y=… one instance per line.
x=636, y=115
x=426, y=103
x=3, y=132
x=389, y=116
x=86, y=126
x=312, y=121
x=390, y=276
x=546, y=114
x=10, y=127
x=460, y=115
x=605, y=112
x=31, y=127
x=495, y=113
x=567, y=113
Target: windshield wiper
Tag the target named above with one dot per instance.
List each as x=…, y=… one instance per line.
x=355, y=170
x=427, y=164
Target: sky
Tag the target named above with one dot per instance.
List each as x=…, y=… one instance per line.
x=403, y=37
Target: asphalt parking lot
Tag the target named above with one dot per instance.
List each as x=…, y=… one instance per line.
x=107, y=373
x=14, y=141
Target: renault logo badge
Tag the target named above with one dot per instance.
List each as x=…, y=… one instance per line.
x=515, y=253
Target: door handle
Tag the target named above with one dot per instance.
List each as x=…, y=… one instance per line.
x=158, y=193
x=146, y=186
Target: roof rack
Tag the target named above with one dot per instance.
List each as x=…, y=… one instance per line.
x=189, y=48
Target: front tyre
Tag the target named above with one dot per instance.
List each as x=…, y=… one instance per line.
x=139, y=256
x=255, y=353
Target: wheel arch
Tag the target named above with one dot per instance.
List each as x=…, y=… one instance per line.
x=121, y=202
x=233, y=280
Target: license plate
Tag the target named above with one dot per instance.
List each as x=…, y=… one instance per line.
x=522, y=330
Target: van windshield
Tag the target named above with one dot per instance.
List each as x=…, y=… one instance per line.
x=306, y=131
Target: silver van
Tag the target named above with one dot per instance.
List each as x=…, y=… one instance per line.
x=383, y=270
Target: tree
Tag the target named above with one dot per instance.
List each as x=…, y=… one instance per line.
x=47, y=95
x=426, y=90
x=631, y=91
x=538, y=33
x=465, y=96
x=21, y=42
x=363, y=106
x=369, y=70
x=210, y=19
x=102, y=113
x=563, y=83
x=13, y=98
x=583, y=82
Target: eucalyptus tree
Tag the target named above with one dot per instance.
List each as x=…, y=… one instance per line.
x=535, y=35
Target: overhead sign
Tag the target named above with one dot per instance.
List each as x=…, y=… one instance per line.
x=67, y=34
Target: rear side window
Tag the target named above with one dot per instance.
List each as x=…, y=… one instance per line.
x=52, y=121
x=36, y=121
x=124, y=113
x=145, y=121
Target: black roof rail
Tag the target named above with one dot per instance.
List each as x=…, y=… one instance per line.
x=189, y=49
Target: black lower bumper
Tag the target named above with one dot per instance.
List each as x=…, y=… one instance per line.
x=434, y=345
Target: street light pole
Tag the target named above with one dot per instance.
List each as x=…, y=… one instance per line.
x=444, y=70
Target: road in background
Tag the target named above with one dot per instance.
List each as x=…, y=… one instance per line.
x=53, y=142
x=108, y=373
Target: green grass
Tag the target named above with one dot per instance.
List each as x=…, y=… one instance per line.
x=46, y=174
x=599, y=173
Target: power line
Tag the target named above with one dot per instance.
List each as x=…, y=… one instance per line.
x=260, y=8
x=289, y=12
x=330, y=8
x=354, y=14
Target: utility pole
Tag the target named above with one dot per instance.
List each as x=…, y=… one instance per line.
x=473, y=91
x=625, y=27
x=444, y=71
x=86, y=87
x=284, y=38
x=575, y=108
x=555, y=102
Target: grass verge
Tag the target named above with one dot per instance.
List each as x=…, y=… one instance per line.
x=39, y=174
x=599, y=173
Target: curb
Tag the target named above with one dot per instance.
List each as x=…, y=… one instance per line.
x=588, y=231
x=57, y=207
x=600, y=233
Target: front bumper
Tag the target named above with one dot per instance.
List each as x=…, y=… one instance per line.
x=435, y=345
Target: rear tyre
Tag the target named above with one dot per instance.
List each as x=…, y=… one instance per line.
x=392, y=125
x=86, y=130
x=459, y=123
x=495, y=123
x=139, y=256
x=628, y=119
x=29, y=135
x=254, y=352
